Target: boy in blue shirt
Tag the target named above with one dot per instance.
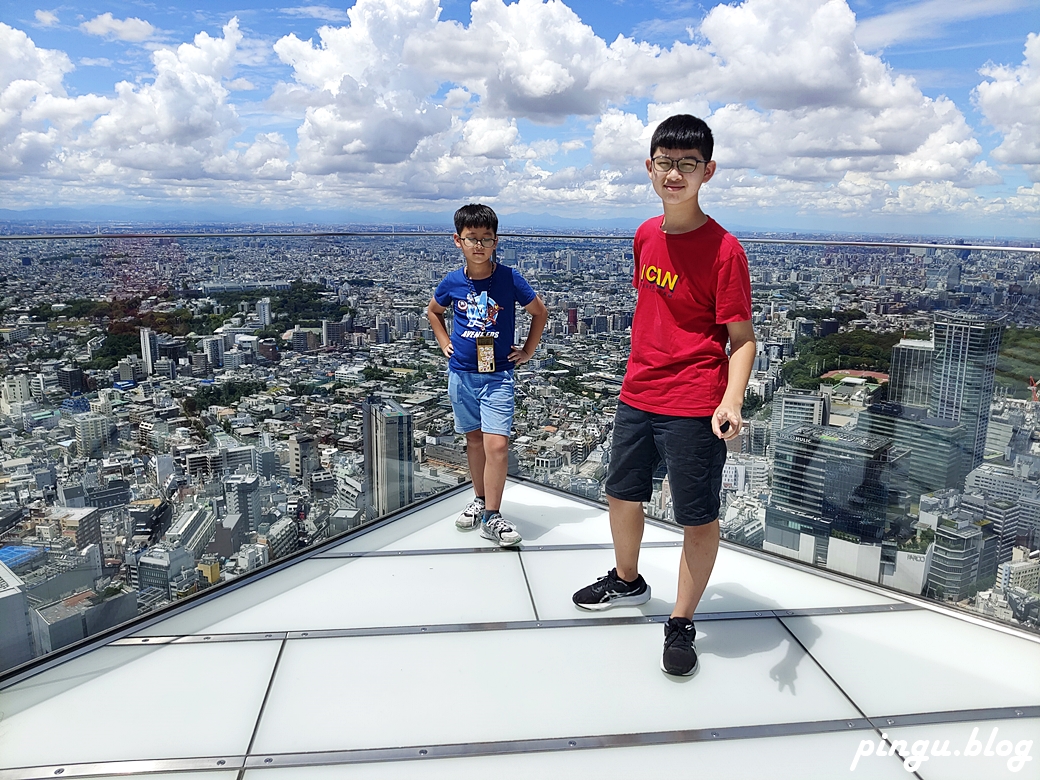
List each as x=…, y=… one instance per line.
x=483, y=296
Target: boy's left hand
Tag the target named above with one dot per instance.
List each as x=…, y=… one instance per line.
x=726, y=414
x=517, y=356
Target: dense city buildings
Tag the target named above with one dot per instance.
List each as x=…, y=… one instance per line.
x=177, y=412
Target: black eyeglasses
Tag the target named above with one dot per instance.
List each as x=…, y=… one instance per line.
x=487, y=243
x=663, y=164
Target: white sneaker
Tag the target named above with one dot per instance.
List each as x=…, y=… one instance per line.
x=471, y=515
x=500, y=530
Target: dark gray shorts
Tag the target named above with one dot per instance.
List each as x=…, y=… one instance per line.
x=692, y=454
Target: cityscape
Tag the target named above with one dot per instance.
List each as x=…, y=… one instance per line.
x=183, y=406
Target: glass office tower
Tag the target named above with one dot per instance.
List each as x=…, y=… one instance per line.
x=910, y=375
x=389, y=457
x=965, y=362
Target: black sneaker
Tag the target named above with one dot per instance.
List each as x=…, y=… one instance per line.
x=612, y=591
x=680, y=655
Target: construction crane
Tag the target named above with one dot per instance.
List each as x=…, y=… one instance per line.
x=1033, y=389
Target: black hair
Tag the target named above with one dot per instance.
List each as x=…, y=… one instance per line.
x=683, y=131
x=476, y=215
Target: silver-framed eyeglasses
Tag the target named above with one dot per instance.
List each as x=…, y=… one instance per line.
x=487, y=243
x=663, y=164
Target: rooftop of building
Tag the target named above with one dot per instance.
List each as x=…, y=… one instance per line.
x=408, y=648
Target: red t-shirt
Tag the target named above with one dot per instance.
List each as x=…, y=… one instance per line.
x=689, y=286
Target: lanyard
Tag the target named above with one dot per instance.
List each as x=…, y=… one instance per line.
x=481, y=300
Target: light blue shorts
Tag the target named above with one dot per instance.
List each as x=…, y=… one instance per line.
x=482, y=402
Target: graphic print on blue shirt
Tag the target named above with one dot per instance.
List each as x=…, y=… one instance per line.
x=483, y=306
x=481, y=311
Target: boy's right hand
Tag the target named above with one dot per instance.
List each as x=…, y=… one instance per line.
x=448, y=350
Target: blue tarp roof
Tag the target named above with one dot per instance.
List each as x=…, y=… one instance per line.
x=16, y=555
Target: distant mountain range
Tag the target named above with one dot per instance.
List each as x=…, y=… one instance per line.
x=185, y=218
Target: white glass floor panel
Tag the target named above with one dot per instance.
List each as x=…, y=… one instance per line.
x=554, y=576
x=739, y=583
x=541, y=517
x=394, y=691
x=741, y=578
x=184, y=700
x=783, y=758
x=967, y=751
x=371, y=592
x=545, y=518
x=910, y=662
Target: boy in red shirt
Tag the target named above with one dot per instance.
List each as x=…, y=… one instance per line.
x=682, y=396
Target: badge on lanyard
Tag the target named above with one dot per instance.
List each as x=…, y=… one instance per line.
x=486, y=354
x=485, y=341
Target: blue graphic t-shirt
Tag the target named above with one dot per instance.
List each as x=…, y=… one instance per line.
x=483, y=306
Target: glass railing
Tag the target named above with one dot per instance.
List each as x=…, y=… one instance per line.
x=182, y=409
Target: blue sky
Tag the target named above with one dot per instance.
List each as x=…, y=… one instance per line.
x=838, y=115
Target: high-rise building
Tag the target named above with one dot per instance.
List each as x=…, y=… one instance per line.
x=389, y=457
x=332, y=333
x=193, y=529
x=162, y=565
x=149, y=350
x=910, y=374
x=304, y=457
x=263, y=312
x=1004, y=515
x=92, y=433
x=71, y=379
x=757, y=437
x=281, y=538
x=165, y=368
x=242, y=492
x=14, y=389
x=964, y=552
x=799, y=407
x=200, y=365
x=131, y=369
x=213, y=346
x=829, y=482
x=965, y=363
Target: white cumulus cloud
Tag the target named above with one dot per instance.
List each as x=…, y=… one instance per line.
x=175, y=125
x=46, y=18
x=524, y=106
x=1010, y=101
x=36, y=114
x=923, y=20
x=131, y=29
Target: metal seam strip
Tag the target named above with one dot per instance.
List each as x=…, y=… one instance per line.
x=516, y=625
x=267, y=695
x=551, y=745
x=561, y=744
x=146, y=766
x=793, y=637
x=956, y=716
x=527, y=582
